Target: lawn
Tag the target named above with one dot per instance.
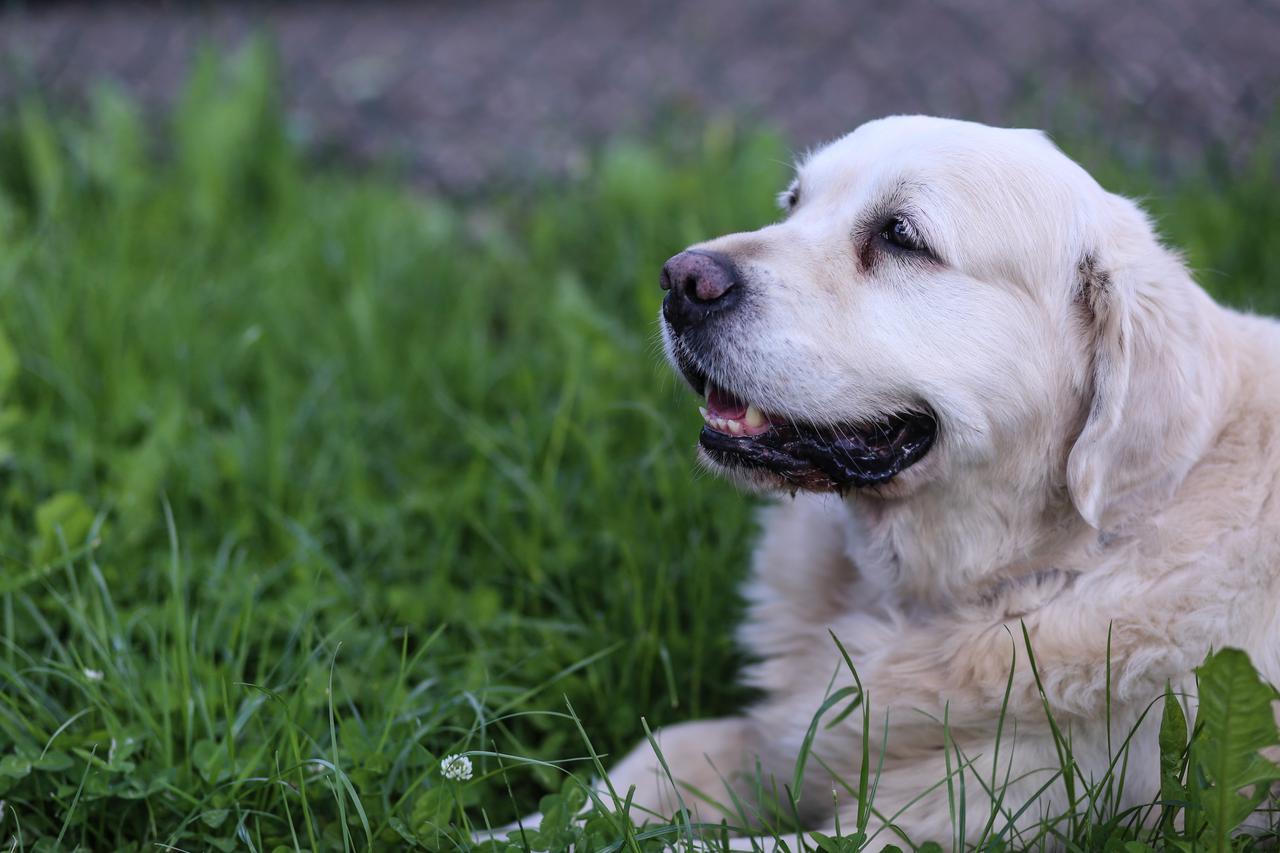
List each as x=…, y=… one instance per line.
x=311, y=479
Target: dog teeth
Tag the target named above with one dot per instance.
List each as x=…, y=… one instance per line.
x=750, y=423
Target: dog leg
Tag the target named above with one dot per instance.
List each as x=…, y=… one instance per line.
x=704, y=757
x=709, y=763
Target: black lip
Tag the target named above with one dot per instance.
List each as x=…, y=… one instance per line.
x=817, y=458
x=692, y=374
x=829, y=458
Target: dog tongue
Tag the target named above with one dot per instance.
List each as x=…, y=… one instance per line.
x=722, y=404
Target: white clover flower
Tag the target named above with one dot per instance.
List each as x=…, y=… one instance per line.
x=456, y=767
x=93, y=674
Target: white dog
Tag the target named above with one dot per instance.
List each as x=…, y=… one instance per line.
x=1003, y=403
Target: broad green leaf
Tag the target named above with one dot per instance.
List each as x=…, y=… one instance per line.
x=53, y=761
x=557, y=831
x=210, y=759
x=1236, y=721
x=14, y=766
x=830, y=844
x=64, y=518
x=429, y=820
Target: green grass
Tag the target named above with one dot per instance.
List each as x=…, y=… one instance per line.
x=310, y=480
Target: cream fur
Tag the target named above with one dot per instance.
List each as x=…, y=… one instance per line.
x=1106, y=472
x=1106, y=467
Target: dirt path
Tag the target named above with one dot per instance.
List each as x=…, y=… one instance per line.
x=465, y=92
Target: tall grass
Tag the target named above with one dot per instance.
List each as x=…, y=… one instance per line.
x=310, y=480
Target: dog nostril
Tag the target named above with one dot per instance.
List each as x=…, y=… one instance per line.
x=691, y=286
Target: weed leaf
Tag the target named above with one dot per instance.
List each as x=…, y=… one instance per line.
x=1235, y=721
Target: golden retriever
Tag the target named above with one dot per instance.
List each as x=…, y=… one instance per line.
x=988, y=398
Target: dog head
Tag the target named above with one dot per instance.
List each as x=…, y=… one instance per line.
x=943, y=298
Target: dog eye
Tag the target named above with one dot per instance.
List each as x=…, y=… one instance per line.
x=789, y=198
x=902, y=234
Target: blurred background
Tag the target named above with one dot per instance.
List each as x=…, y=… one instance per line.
x=335, y=437
x=460, y=94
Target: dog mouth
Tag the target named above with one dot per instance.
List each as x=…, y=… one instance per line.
x=737, y=434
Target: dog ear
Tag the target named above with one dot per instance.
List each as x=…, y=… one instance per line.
x=1157, y=372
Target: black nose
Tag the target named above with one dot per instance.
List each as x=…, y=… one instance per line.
x=698, y=284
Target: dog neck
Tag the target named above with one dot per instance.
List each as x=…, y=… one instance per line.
x=945, y=544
